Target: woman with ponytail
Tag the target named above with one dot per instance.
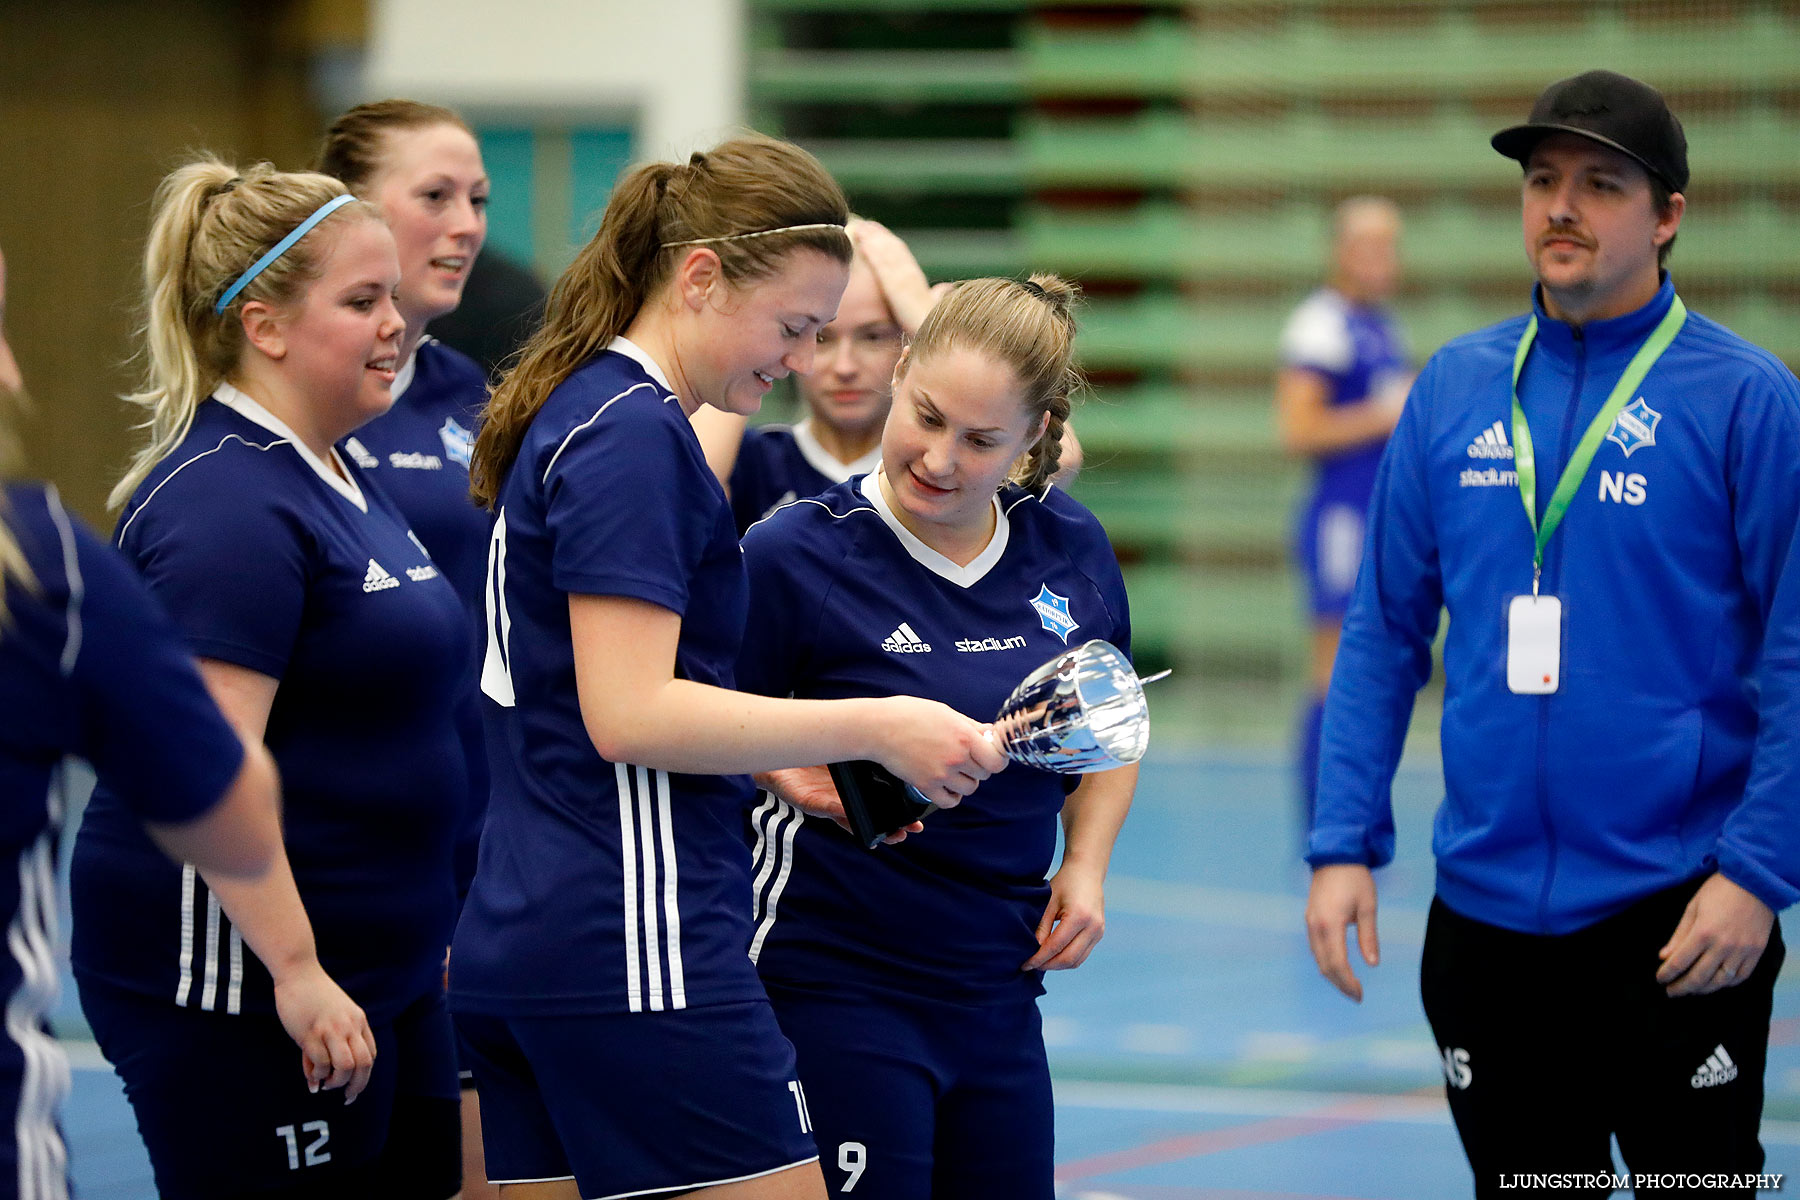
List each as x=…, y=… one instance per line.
x=326, y=634
x=91, y=668
x=622, y=1044
x=951, y=571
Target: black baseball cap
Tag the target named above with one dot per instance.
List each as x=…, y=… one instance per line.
x=1611, y=109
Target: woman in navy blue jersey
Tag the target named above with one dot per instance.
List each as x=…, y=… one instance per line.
x=420, y=165
x=952, y=571
x=91, y=668
x=623, y=1045
x=327, y=634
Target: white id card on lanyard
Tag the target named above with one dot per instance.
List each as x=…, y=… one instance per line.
x=1534, y=645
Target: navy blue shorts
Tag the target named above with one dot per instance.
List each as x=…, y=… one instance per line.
x=638, y=1104
x=925, y=1099
x=1328, y=547
x=224, y=1110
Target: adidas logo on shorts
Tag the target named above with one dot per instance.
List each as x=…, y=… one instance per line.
x=1717, y=1069
x=904, y=641
x=377, y=579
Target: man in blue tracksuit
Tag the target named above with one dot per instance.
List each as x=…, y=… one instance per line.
x=1602, y=494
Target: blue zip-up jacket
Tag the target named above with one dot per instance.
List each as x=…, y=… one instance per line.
x=1673, y=745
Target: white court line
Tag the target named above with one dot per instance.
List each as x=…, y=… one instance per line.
x=1278, y=1102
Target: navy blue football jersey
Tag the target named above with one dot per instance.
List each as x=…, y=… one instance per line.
x=602, y=886
x=778, y=464
x=418, y=453
x=91, y=668
x=269, y=559
x=845, y=601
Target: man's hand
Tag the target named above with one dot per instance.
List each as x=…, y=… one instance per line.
x=1343, y=894
x=1721, y=938
x=810, y=790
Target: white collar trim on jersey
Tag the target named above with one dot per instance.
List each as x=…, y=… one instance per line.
x=633, y=351
x=404, y=376
x=925, y=556
x=342, y=482
x=825, y=462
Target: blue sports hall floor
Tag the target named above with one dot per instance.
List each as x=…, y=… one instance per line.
x=1198, y=1054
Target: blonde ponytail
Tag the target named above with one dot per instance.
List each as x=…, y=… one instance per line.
x=211, y=223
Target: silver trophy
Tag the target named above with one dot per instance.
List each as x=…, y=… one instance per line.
x=1082, y=711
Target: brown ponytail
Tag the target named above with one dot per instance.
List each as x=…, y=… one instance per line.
x=745, y=185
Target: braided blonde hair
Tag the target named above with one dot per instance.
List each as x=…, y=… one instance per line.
x=1028, y=325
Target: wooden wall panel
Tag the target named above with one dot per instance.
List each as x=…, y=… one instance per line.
x=98, y=99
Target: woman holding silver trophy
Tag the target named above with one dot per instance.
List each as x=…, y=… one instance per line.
x=621, y=1041
x=908, y=978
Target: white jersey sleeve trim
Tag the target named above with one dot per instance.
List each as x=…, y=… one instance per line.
x=223, y=442
x=931, y=560
x=1318, y=334
x=827, y=464
x=65, y=533
x=564, y=444
x=339, y=480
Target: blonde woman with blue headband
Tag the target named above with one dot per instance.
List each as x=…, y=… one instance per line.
x=326, y=633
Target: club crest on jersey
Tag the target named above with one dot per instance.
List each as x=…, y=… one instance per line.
x=458, y=442
x=1634, y=427
x=1053, y=611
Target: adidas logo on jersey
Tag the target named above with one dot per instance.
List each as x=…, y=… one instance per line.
x=377, y=579
x=421, y=574
x=415, y=461
x=904, y=641
x=1491, y=443
x=1716, y=1070
x=359, y=454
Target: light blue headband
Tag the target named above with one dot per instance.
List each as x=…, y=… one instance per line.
x=280, y=248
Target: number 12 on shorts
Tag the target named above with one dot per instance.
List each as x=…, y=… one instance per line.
x=316, y=1154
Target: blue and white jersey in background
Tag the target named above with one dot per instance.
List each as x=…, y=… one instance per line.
x=844, y=601
x=605, y=887
x=1359, y=352
x=268, y=558
x=418, y=453
x=778, y=464
x=89, y=667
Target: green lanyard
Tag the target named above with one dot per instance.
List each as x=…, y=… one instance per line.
x=1526, y=461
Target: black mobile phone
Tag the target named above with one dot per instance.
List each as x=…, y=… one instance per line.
x=877, y=801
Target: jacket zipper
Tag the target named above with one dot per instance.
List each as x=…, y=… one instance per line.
x=1543, y=774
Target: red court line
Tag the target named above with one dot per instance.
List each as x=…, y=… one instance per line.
x=1212, y=1141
